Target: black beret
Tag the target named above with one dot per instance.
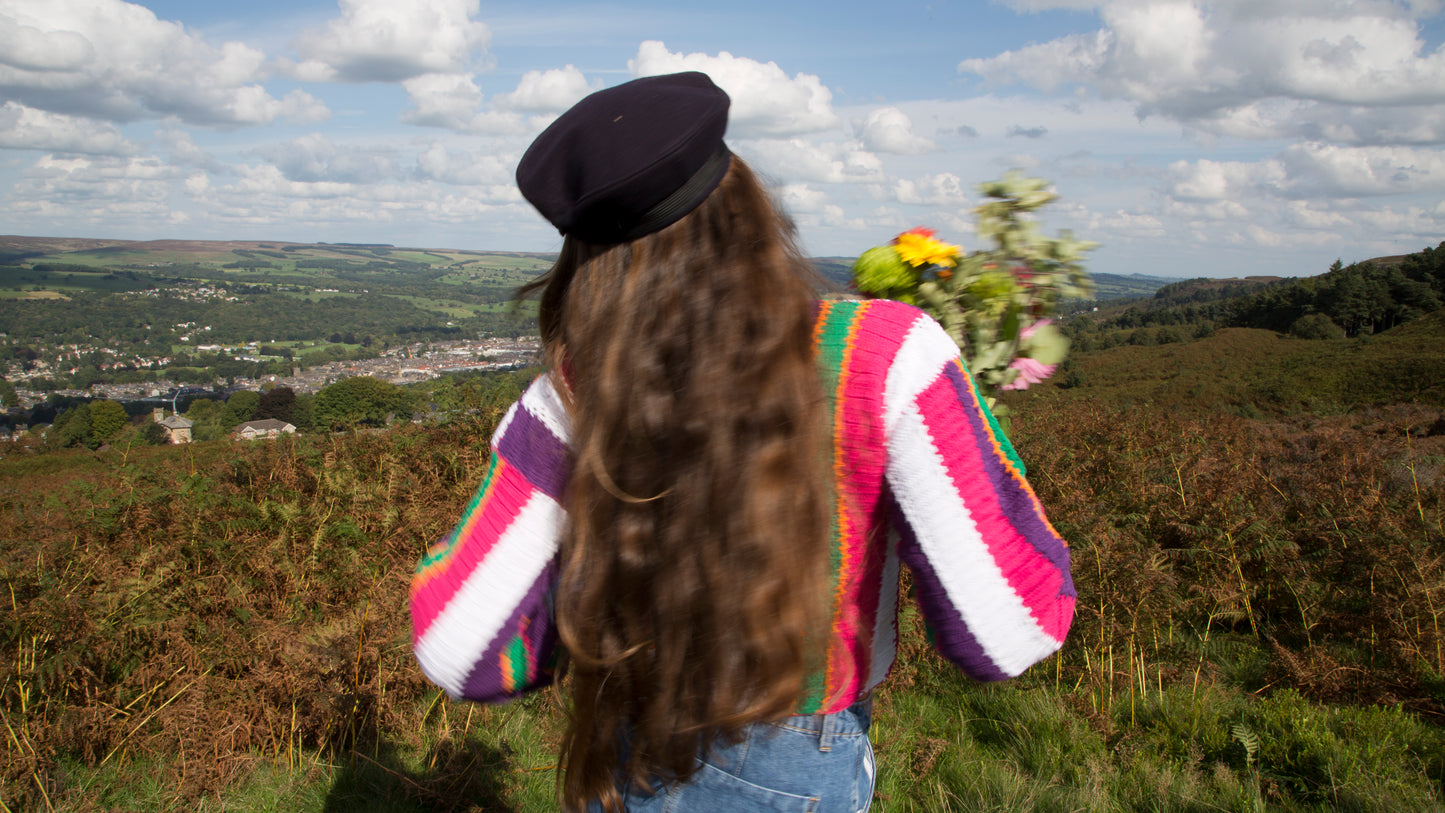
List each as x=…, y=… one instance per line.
x=629, y=160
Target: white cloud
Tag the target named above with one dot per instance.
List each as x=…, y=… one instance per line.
x=437, y=163
x=1315, y=169
x=944, y=189
x=765, y=101
x=1047, y=66
x=94, y=189
x=1216, y=63
x=1205, y=180
x=1125, y=224
x=1424, y=225
x=1312, y=128
x=1380, y=126
x=184, y=152
x=794, y=159
x=25, y=128
x=315, y=158
x=1225, y=211
x=441, y=99
x=263, y=196
x=1312, y=170
x=800, y=197
x=112, y=60
x=550, y=91
x=1309, y=215
x=889, y=129
x=197, y=184
x=253, y=105
x=270, y=179
x=453, y=101
x=387, y=41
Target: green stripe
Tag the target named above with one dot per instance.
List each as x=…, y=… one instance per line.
x=993, y=425
x=432, y=558
x=832, y=342
x=517, y=656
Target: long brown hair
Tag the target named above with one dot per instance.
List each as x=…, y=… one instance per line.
x=690, y=598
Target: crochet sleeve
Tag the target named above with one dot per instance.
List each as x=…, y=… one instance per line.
x=480, y=600
x=990, y=573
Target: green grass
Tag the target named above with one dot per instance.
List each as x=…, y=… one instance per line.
x=951, y=746
x=23, y=280
x=117, y=257
x=1015, y=748
x=453, y=309
x=317, y=296
x=18, y=294
x=1256, y=372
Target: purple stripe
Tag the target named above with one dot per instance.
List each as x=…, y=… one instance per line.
x=531, y=448
x=485, y=682
x=1017, y=505
x=952, y=636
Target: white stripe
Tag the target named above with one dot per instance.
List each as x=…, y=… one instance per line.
x=472, y=619
x=950, y=540
x=541, y=399
x=923, y=354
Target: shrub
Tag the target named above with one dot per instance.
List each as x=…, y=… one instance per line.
x=1316, y=326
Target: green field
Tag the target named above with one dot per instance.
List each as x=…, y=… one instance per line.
x=18, y=294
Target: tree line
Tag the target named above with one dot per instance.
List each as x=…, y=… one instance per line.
x=1359, y=299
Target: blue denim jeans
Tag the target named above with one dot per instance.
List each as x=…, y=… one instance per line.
x=812, y=764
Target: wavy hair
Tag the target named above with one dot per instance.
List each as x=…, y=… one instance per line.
x=691, y=598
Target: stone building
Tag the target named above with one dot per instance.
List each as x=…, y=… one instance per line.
x=178, y=429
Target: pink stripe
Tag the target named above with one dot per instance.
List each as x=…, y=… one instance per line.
x=864, y=451
x=1029, y=573
x=877, y=332
x=478, y=532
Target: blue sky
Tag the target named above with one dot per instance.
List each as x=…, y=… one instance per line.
x=1186, y=137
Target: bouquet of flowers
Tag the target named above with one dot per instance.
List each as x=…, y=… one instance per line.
x=996, y=304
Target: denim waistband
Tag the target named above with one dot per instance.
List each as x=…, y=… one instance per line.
x=850, y=722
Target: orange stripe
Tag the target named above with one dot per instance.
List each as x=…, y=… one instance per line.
x=440, y=556
x=844, y=627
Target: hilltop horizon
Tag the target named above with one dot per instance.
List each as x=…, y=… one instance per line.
x=14, y=247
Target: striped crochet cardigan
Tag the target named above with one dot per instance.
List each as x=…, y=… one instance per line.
x=923, y=476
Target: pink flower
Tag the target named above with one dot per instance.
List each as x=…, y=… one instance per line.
x=1030, y=372
x=1029, y=331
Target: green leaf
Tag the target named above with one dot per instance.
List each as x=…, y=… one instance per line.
x=1010, y=327
x=880, y=272
x=1047, y=345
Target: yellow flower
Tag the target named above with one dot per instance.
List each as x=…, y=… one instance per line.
x=919, y=248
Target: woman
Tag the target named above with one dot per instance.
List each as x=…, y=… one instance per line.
x=705, y=501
